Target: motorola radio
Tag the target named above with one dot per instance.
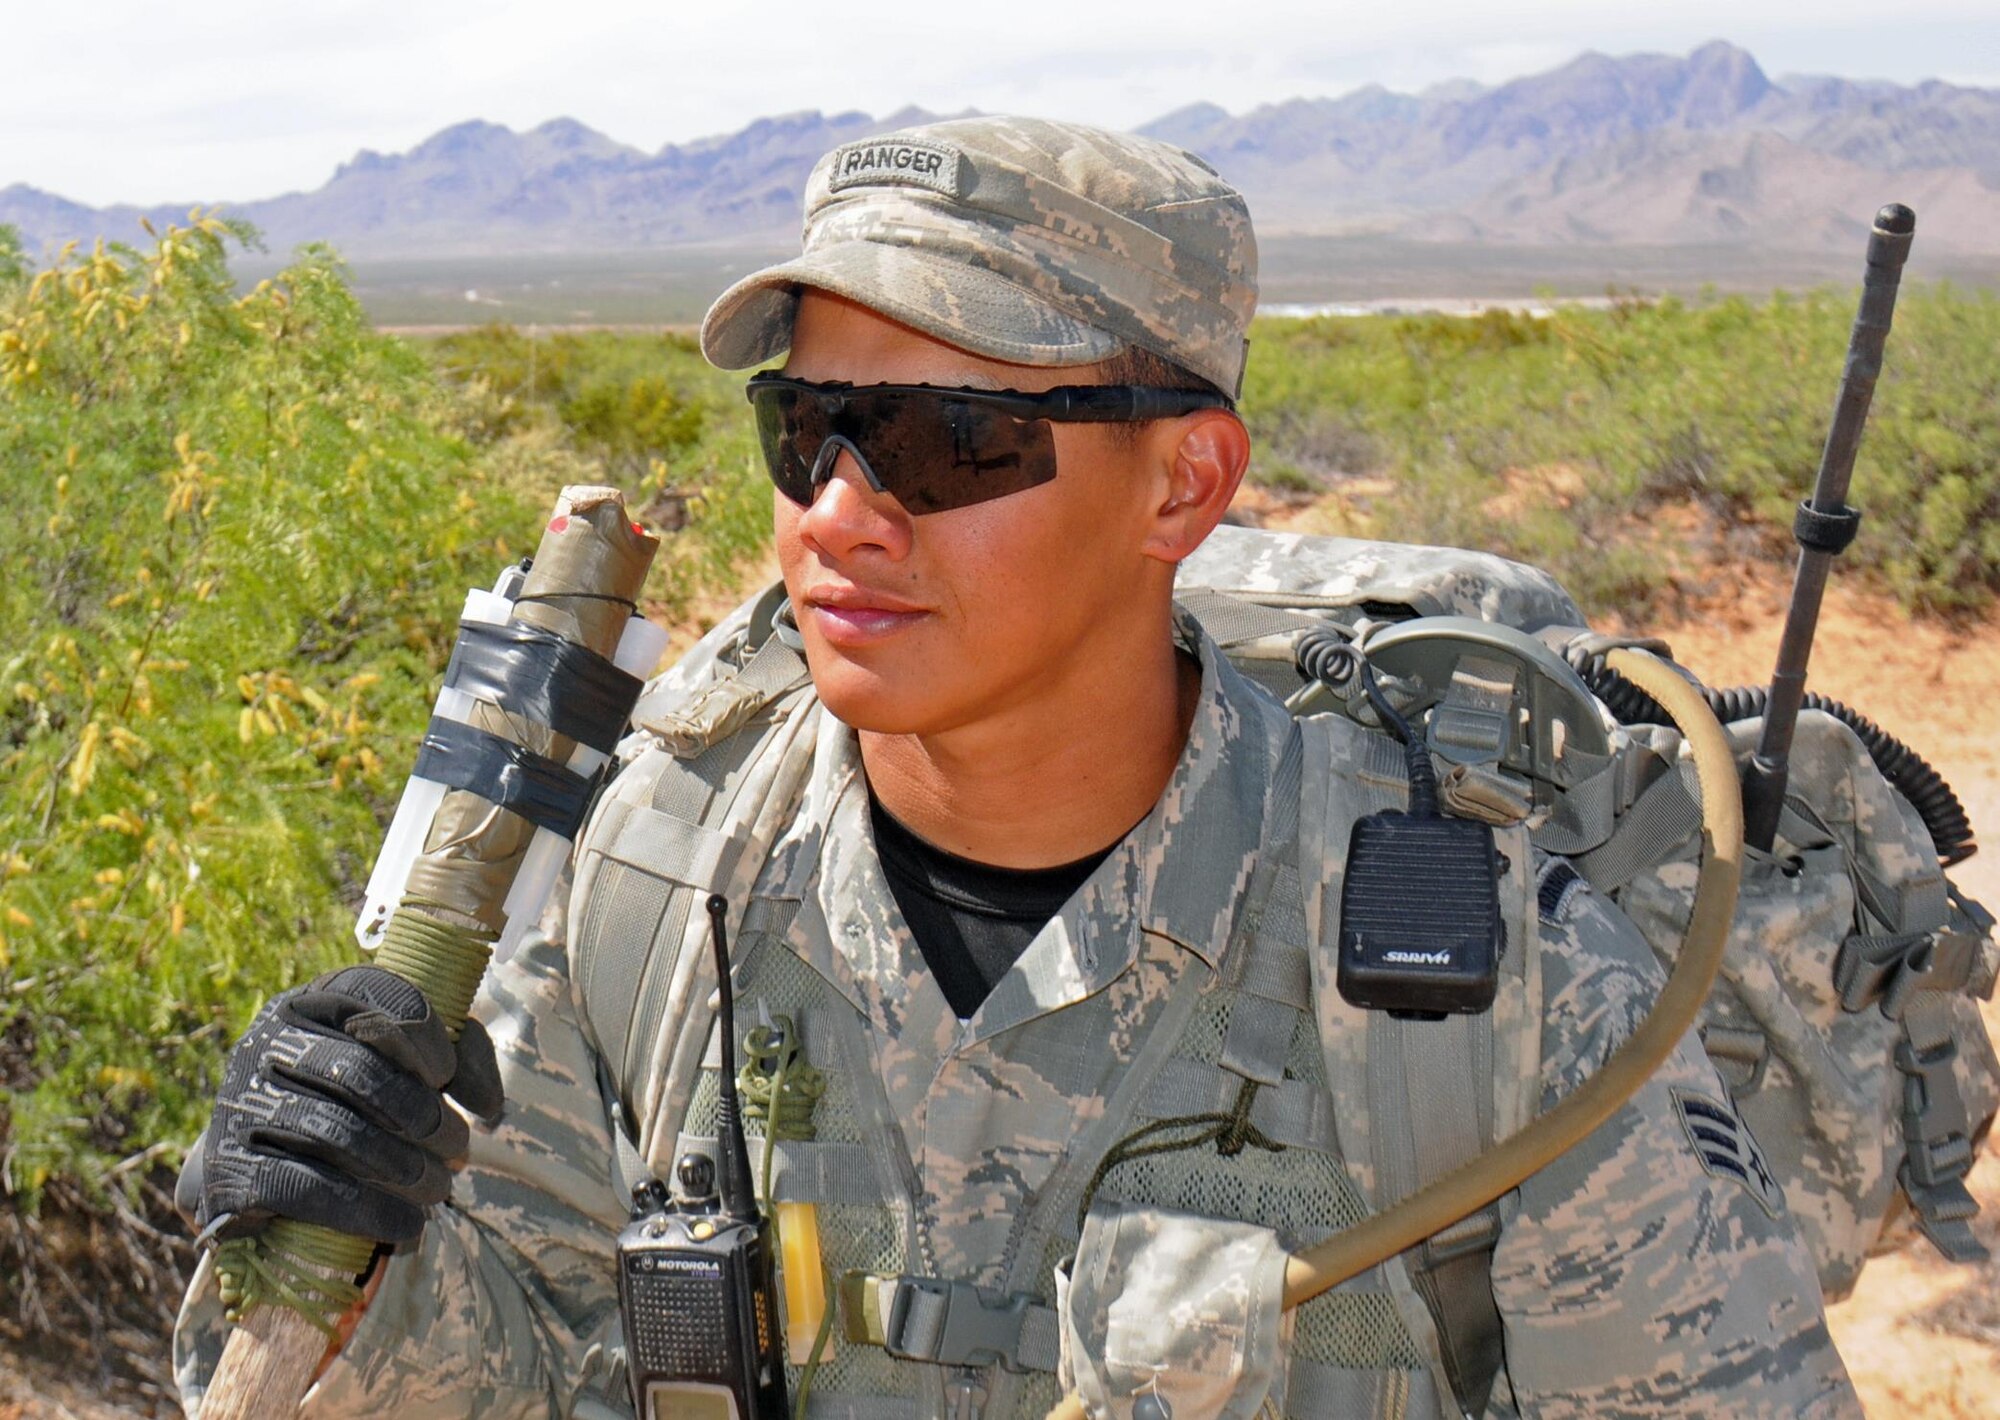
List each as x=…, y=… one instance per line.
x=696, y=1269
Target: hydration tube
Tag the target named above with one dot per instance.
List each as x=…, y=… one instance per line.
x=1503, y=1167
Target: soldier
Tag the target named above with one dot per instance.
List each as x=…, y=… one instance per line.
x=1026, y=859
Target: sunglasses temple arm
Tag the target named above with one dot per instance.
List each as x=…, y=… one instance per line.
x=1135, y=404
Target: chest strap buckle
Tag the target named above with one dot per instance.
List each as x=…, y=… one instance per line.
x=948, y=1323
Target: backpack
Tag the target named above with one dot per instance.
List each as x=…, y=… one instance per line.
x=1843, y=1022
x=1845, y=1019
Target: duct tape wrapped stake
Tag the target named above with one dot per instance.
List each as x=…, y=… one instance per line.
x=538, y=692
x=541, y=684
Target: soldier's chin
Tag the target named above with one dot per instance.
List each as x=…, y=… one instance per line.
x=883, y=700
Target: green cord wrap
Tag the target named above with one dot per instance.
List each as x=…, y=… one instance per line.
x=778, y=1084
x=302, y=1265
x=290, y=1264
x=442, y=960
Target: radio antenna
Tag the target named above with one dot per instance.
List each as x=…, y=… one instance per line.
x=739, y=1200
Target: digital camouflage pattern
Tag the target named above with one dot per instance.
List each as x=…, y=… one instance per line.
x=1024, y=240
x=1813, y=1066
x=1184, y=1308
x=1632, y=1280
x=1343, y=571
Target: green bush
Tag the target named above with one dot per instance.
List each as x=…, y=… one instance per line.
x=1562, y=441
x=236, y=534
x=651, y=415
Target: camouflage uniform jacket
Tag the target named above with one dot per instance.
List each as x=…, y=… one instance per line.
x=1631, y=1279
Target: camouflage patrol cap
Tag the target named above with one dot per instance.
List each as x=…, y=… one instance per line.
x=1020, y=239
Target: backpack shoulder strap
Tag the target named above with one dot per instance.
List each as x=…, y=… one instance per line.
x=1404, y=1113
x=1427, y=1123
x=697, y=811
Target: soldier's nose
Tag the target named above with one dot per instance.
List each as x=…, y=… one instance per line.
x=847, y=515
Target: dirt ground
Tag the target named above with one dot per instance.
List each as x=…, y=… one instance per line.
x=1921, y=1338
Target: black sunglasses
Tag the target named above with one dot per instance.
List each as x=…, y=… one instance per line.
x=934, y=448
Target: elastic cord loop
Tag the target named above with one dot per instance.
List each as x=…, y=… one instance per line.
x=307, y=1268
x=1824, y=530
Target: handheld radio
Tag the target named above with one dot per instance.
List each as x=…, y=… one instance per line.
x=696, y=1269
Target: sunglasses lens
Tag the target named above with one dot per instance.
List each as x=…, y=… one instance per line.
x=932, y=452
x=936, y=453
x=791, y=427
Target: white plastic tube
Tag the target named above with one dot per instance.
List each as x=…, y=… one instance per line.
x=639, y=650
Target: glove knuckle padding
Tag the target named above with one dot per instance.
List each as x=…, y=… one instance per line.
x=376, y=1089
x=330, y=1110
x=383, y=1012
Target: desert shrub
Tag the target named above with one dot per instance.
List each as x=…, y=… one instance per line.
x=1562, y=440
x=238, y=529
x=236, y=532
x=652, y=415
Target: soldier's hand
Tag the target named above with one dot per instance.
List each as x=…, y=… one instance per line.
x=332, y=1111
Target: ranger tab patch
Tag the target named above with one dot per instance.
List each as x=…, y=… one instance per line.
x=1723, y=1143
x=931, y=165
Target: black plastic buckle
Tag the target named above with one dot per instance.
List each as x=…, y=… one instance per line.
x=1474, y=1233
x=1935, y=1127
x=965, y=1326
x=1937, y=1150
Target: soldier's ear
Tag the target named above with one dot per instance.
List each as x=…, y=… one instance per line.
x=1204, y=457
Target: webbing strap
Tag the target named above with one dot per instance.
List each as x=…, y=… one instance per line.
x=1259, y=1038
x=723, y=708
x=1585, y=813
x=1315, y=1388
x=1292, y=1113
x=1666, y=816
x=1232, y=621
x=1891, y=969
x=1280, y=968
x=1440, y=1073
x=1264, y=1013
x=677, y=849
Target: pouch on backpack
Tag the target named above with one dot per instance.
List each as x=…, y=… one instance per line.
x=1845, y=1019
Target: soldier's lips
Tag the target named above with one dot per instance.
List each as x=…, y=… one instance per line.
x=849, y=617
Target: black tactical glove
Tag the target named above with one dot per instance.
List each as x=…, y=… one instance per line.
x=332, y=1111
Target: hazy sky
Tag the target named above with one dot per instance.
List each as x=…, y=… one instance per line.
x=148, y=102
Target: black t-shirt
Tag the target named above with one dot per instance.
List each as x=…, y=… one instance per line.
x=971, y=920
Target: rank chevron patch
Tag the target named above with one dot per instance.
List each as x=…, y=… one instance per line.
x=1723, y=1143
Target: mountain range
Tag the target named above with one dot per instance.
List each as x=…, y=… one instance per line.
x=1646, y=148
